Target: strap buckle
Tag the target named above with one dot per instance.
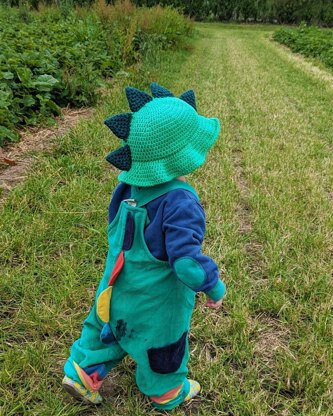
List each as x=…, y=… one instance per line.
x=131, y=202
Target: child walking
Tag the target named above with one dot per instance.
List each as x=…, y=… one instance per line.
x=154, y=265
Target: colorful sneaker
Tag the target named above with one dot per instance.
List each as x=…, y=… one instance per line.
x=194, y=390
x=79, y=392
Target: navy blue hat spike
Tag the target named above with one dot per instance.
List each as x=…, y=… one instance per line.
x=136, y=98
x=189, y=98
x=121, y=158
x=120, y=125
x=160, y=92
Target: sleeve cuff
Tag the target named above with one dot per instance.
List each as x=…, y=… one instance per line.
x=217, y=292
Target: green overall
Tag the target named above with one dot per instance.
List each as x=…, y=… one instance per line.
x=141, y=309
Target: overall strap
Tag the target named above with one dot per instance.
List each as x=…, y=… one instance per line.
x=144, y=195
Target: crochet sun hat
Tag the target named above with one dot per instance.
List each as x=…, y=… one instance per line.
x=163, y=136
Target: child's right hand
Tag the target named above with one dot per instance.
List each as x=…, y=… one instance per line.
x=214, y=305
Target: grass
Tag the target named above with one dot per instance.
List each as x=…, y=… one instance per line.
x=267, y=190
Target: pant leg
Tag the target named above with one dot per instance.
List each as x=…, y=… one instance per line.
x=160, y=384
x=90, y=353
x=172, y=398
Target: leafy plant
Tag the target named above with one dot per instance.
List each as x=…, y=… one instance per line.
x=60, y=56
x=309, y=41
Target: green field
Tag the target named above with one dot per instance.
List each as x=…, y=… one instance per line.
x=267, y=190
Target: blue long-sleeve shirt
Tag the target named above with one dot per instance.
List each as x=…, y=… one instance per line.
x=175, y=234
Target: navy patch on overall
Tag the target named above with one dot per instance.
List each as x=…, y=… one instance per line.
x=165, y=360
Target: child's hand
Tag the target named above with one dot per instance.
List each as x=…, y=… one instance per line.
x=214, y=305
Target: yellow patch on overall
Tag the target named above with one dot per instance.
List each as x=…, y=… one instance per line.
x=103, y=304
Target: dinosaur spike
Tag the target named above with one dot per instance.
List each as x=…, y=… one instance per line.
x=189, y=98
x=121, y=158
x=159, y=92
x=120, y=125
x=136, y=98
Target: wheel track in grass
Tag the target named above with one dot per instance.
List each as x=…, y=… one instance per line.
x=230, y=111
x=229, y=152
x=271, y=335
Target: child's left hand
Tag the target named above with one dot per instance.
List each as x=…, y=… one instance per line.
x=214, y=305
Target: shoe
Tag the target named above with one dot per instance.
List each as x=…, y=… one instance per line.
x=79, y=392
x=194, y=390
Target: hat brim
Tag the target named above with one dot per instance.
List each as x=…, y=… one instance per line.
x=185, y=161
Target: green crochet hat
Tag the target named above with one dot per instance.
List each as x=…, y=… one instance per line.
x=163, y=136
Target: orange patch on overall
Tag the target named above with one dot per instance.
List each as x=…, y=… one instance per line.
x=117, y=268
x=168, y=396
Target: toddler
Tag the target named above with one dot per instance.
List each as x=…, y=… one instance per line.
x=154, y=264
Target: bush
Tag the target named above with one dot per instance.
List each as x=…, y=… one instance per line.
x=309, y=41
x=60, y=56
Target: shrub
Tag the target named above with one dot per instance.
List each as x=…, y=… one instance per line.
x=59, y=56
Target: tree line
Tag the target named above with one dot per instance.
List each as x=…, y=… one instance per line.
x=274, y=11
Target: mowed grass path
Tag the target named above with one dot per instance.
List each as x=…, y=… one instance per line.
x=267, y=188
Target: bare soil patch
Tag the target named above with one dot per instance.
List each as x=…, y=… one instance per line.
x=243, y=211
x=17, y=158
x=252, y=247
x=272, y=337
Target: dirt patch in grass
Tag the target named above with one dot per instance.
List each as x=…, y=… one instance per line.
x=243, y=210
x=16, y=158
x=112, y=389
x=253, y=248
x=272, y=337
